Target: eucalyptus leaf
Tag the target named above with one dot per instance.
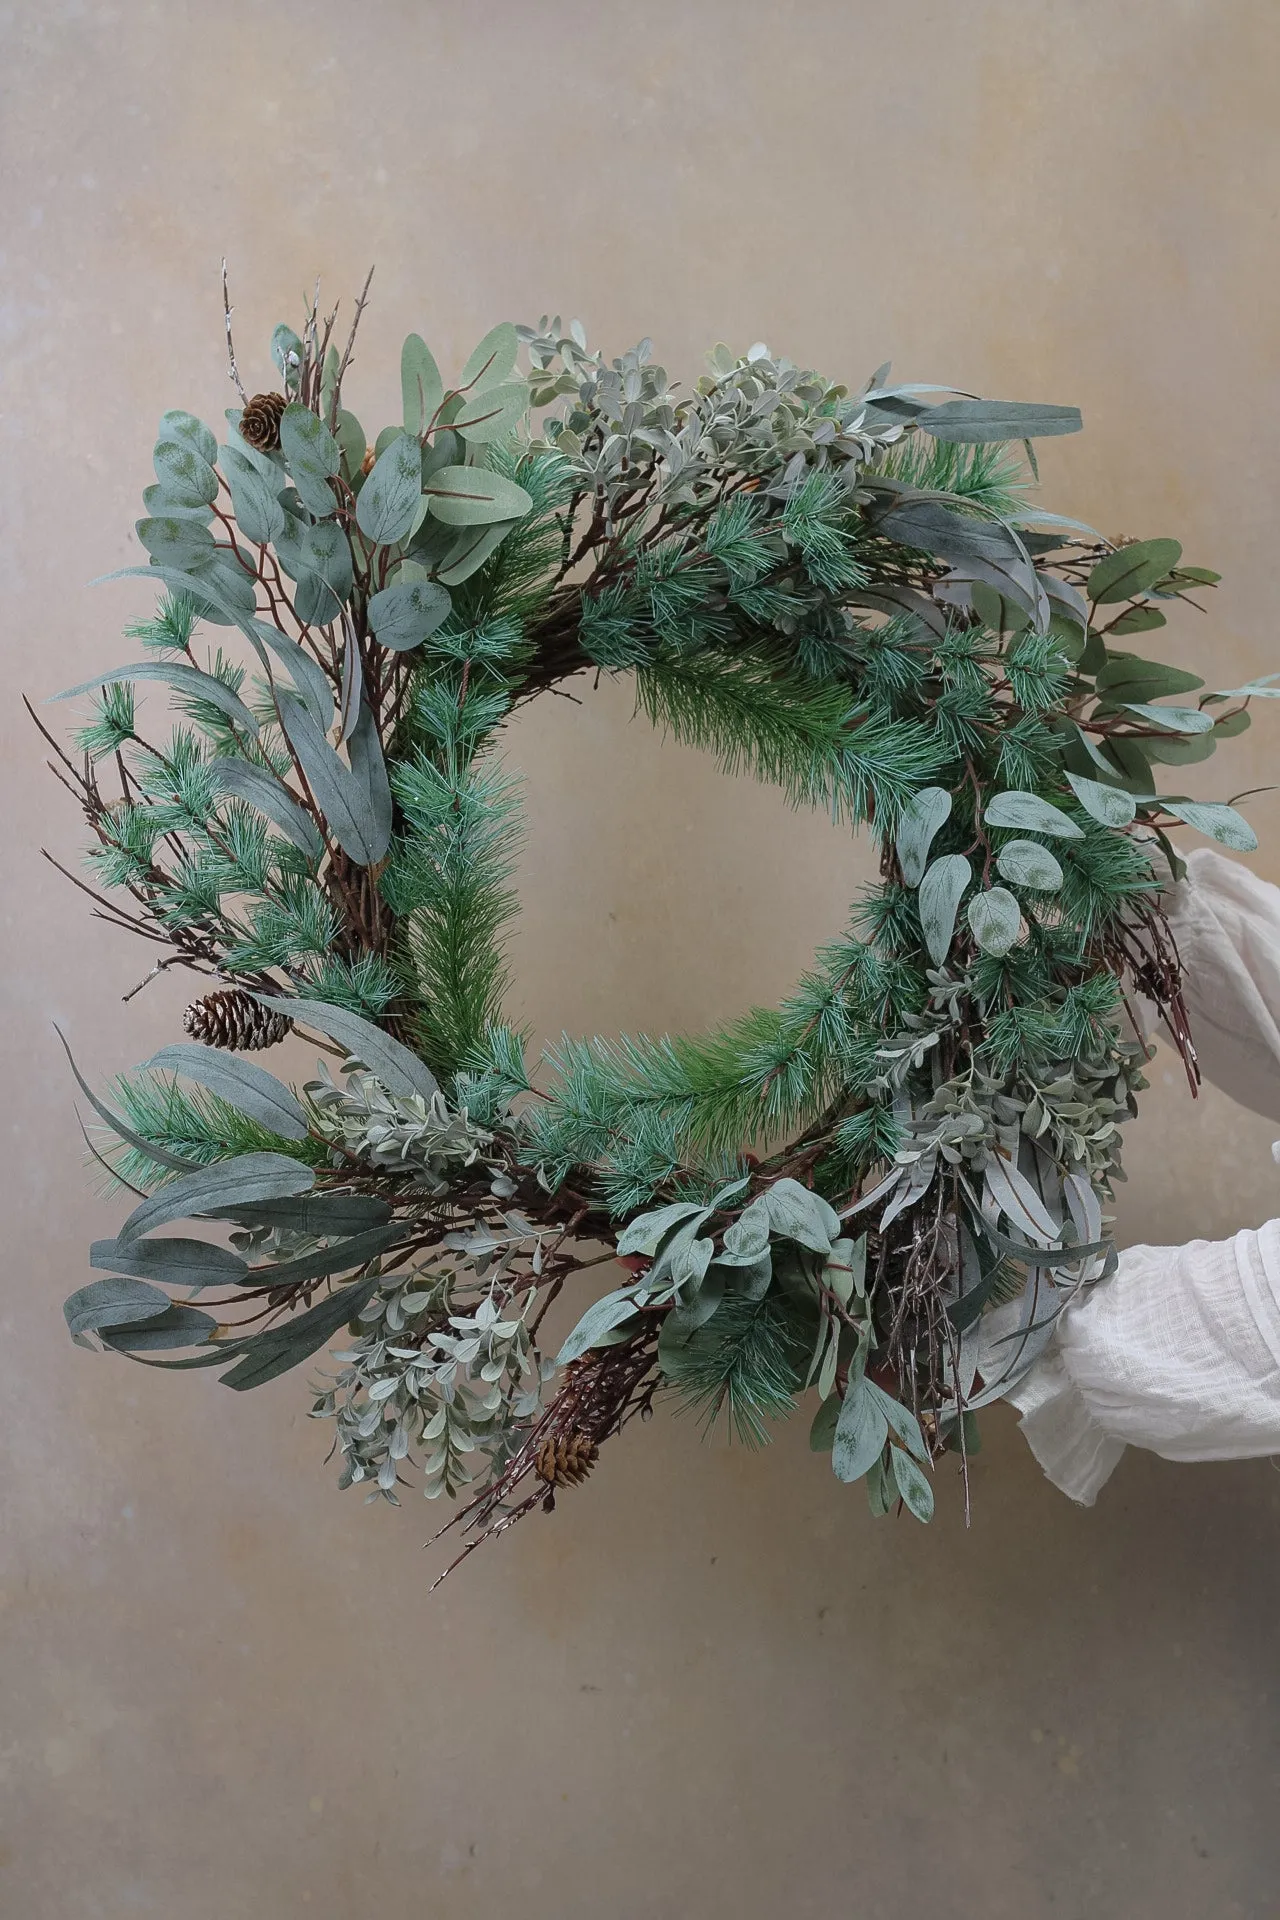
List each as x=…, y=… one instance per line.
x=492, y=360
x=472, y=497
x=646, y=1233
x=318, y=1215
x=400, y=1071
x=404, y=614
x=1031, y=814
x=172, y=1261
x=902, y=1421
x=160, y=1155
x=178, y=541
x=356, y=817
x=357, y=1251
x=468, y=553
x=1112, y=806
x=916, y=1492
x=941, y=891
x=239, y=780
x=244, y=1085
x=1126, y=676
x=256, y=501
x=1027, y=864
x=978, y=422
x=1176, y=719
x=995, y=918
x=797, y=1213
x=389, y=498
x=860, y=1433
x=493, y=413
x=314, y=457
x=421, y=386
x=600, y=1318
x=111, y=1303
x=188, y=680
x=227, y=1183
x=186, y=476
x=188, y=431
x=1129, y=571
x=1216, y=820
x=280, y=1349
x=920, y=820
x=179, y=1326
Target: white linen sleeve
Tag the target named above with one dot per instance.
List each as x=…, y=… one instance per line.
x=1179, y=1351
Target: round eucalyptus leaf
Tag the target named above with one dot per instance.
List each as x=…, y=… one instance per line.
x=922, y=816
x=940, y=894
x=1027, y=864
x=1032, y=814
x=995, y=917
x=1218, y=821
x=1111, y=806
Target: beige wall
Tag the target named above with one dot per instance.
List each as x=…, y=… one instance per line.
x=711, y=1686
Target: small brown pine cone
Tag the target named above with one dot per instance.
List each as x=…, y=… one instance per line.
x=566, y=1460
x=260, y=421
x=233, y=1019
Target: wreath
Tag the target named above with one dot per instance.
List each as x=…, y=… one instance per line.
x=875, y=1197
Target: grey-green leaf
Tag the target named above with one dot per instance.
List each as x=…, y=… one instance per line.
x=358, y=820
x=902, y=1420
x=861, y=1431
x=313, y=454
x=1111, y=806
x=492, y=360
x=600, y=1318
x=318, y=1215
x=178, y=541
x=191, y=432
x=227, y=1183
x=995, y=918
x=185, y=475
x=188, y=680
x=282, y=1348
x=399, y=1070
x=111, y=1303
x=973, y=422
x=646, y=1233
x=173, y=1261
x=941, y=891
x=1176, y=719
x=1133, y=569
x=179, y=1326
x=404, y=614
x=421, y=388
x=1027, y=864
x=389, y=497
x=243, y=1084
x=1031, y=814
x=923, y=815
x=472, y=497
x=493, y=413
x=797, y=1213
x=916, y=1492
x=1218, y=821
x=256, y=499
x=258, y=788
x=470, y=550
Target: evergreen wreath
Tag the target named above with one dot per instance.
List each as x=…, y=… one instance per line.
x=878, y=1194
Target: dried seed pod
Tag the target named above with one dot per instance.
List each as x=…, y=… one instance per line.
x=233, y=1019
x=260, y=421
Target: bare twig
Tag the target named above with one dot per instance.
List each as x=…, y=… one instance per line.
x=231, y=350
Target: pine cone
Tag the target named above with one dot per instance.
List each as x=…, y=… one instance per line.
x=567, y=1460
x=233, y=1019
x=260, y=421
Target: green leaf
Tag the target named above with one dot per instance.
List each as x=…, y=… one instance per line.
x=1111, y=806
x=354, y=815
x=916, y=1492
x=188, y=680
x=1139, y=619
x=797, y=1213
x=647, y=1232
x=470, y=550
x=974, y=422
x=286, y=351
x=492, y=360
x=493, y=413
x=389, y=497
x=111, y=1303
x=902, y=1421
x=255, y=499
x=160, y=1155
x=472, y=497
x=1129, y=571
x=995, y=918
x=188, y=431
x=404, y=614
x=313, y=454
x=600, y=1318
x=323, y=560
x=823, y=1431
x=1176, y=719
x=1127, y=677
x=180, y=1326
x=861, y=1431
x=421, y=387
x=941, y=891
x=923, y=815
x=244, y=1085
x=227, y=1183
x=238, y=780
x=400, y=1071
x=1027, y=864
x=185, y=475
x=1032, y=814
x=1216, y=820
x=318, y=1215
x=174, y=1262
x=177, y=541
x=282, y=1348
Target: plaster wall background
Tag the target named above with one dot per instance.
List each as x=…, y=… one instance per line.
x=711, y=1686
